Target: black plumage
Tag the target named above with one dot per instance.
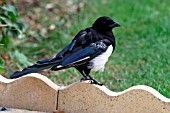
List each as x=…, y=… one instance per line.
x=87, y=45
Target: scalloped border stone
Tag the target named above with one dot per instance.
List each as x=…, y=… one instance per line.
x=30, y=92
x=37, y=92
x=87, y=98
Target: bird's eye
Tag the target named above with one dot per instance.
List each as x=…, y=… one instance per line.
x=104, y=23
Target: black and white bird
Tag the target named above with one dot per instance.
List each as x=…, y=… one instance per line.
x=89, y=50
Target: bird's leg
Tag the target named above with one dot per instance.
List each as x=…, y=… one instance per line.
x=84, y=78
x=93, y=81
x=84, y=75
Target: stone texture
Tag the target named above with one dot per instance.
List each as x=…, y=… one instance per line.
x=87, y=98
x=31, y=92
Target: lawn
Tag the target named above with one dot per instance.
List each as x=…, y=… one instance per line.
x=143, y=43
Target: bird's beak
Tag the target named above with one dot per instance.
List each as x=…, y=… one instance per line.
x=114, y=25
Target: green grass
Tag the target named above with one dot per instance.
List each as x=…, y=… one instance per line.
x=143, y=44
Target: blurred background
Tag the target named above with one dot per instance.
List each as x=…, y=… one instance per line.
x=31, y=30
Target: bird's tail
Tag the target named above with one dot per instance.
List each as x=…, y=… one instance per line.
x=39, y=66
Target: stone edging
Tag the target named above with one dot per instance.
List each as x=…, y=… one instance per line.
x=37, y=92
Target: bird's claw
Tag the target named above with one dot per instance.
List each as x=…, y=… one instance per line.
x=92, y=80
x=95, y=82
x=84, y=79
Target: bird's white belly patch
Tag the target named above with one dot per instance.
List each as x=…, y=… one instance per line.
x=99, y=61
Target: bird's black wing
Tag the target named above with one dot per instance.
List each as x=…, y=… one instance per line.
x=82, y=39
x=84, y=55
x=68, y=48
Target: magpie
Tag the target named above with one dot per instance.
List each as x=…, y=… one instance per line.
x=89, y=50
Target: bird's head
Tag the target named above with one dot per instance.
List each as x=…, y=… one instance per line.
x=104, y=24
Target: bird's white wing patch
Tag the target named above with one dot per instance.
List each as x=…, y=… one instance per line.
x=81, y=60
x=59, y=66
x=99, y=61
